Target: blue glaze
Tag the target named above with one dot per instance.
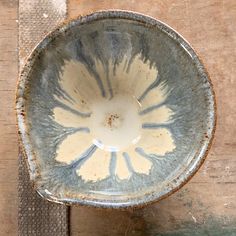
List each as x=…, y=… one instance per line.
x=109, y=37
x=151, y=86
x=78, y=113
x=151, y=108
x=149, y=156
x=154, y=126
x=128, y=161
x=84, y=157
x=113, y=163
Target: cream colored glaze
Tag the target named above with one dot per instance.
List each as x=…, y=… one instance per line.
x=103, y=75
x=96, y=167
x=121, y=170
x=82, y=87
x=80, y=105
x=135, y=80
x=79, y=84
x=155, y=96
x=157, y=141
x=68, y=119
x=139, y=163
x=124, y=133
x=73, y=146
x=115, y=123
x=162, y=115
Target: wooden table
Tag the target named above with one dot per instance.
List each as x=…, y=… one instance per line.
x=207, y=204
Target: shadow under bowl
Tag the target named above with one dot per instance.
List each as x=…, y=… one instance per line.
x=114, y=110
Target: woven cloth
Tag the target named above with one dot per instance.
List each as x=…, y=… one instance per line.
x=38, y=217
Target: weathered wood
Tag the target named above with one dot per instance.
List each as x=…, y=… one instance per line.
x=207, y=204
x=8, y=137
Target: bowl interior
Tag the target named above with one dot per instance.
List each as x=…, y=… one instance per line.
x=118, y=111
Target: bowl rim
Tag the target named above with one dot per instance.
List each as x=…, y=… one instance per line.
x=24, y=138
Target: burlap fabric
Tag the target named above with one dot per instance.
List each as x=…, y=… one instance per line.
x=38, y=217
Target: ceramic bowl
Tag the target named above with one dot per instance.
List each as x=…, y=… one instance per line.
x=114, y=110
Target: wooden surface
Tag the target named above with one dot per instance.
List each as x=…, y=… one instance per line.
x=207, y=204
x=8, y=137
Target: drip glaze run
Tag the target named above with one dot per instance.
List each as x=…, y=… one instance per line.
x=126, y=125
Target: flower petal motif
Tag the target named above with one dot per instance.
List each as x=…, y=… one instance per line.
x=139, y=164
x=133, y=76
x=75, y=81
x=129, y=162
x=96, y=167
x=72, y=147
x=81, y=86
x=103, y=75
x=67, y=119
x=157, y=141
x=155, y=96
x=161, y=115
x=122, y=171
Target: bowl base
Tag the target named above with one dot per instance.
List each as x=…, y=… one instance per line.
x=115, y=123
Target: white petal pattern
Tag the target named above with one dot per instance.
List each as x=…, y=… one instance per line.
x=138, y=78
x=122, y=170
x=161, y=115
x=155, y=96
x=82, y=88
x=80, y=105
x=79, y=84
x=157, y=141
x=96, y=167
x=72, y=147
x=68, y=119
x=139, y=163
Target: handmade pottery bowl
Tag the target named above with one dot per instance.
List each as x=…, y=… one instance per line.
x=114, y=109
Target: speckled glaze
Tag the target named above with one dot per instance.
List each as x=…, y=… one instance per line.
x=114, y=110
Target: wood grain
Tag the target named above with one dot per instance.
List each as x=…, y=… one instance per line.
x=8, y=137
x=207, y=204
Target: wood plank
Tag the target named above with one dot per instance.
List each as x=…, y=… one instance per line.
x=8, y=140
x=209, y=200
x=207, y=204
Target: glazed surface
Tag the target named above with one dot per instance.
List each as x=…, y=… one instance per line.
x=116, y=110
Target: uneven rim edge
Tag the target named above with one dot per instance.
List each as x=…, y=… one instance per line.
x=24, y=139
